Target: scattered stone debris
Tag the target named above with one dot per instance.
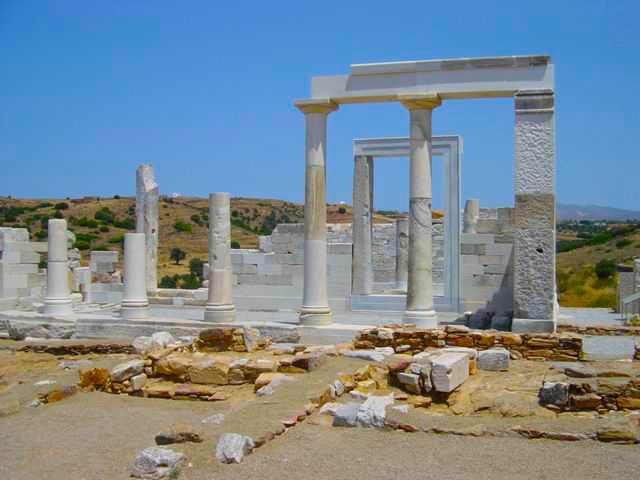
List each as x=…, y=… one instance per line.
x=142, y=345
x=74, y=364
x=78, y=349
x=160, y=340
x=178, y=434
x=554, y=393
x=232, y=448
x=495, y=359
x=215, y=419
x=155, y=463
x=44, y=383
x=370, y=355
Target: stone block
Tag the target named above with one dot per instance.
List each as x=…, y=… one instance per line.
x=469, y=259
x=9, y=234
x=265, y=279
x=269, y=269
x=502, y=249
x=242, y=269
x=471, y=352
x=19, y=257
x=37, y=247
x=472, y=269
x=477, y=238
x=472, y=249
x=340, y=248
x=490, y=259
x=449, y=370
x=341, y=259
x=280, y=238
x=502, y=269
x=282, y=248
x=554, y=393
x=495, y=359
x=501, y=323
x=104, y=256
x=490, y=280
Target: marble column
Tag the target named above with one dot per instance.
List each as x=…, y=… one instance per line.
x=147, y=198
x=419, y=308
x=535, y=213
x=471, y=215
x=362, y=281
x=57, y=300
x=402, y=253
x=220, y=307
x=134, y=303
x=315, y=303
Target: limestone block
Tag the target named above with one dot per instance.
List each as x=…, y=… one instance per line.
x=471, y=352
x=265, y=279
x=490, y=259
x=243, y=269
x=490, y=280
x=469, y=259
x=104, y=256
x=341, y=259
x=535, y=153
x=253, y=258
x=20, y=257
x=473, y=249
x=503, y=269
x=503, y=249
x=534, y=276
x=269, y=269
x=477, y=238
x=495, y=359
x=339, y=248
x=449, y=370
x=554, y=393
x=9, y=234
x=36, y=247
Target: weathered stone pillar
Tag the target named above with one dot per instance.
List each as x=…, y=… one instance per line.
x=419, y=308
x=362, y=281
x=535, y=212
x=402, y=253
x=471, y=215
x=636, y=274
x=147, y=198
x=57, y=300
x=134, y=303
x=220, y=307
x=315, y=303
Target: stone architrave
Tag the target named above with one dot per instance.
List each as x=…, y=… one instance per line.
x=57, y=300
x=471, y=215
x=134, y=303
x=147, y=198
x=362, y=283
x=402, y=253
x=419, y=308
x=315, y=303
x=535, y=213
x=220, y=307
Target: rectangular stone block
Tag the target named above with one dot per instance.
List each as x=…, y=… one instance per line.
x=10, y=234
x=338, y=259
x=265, y=279
x=535, y=210
x=490, y=280
x=472, y=249
x=104, y=256
x=19, y=257
x=13, y=269
x=490, y=259
x=280, y=238
x=534, y=274
x=495, y=359
x=282, y=248
x=36, y=280
x=503, y=249
x=502, y=269
x=295, y=270
x=290, y=228
x=469, y=259
x=37, y=247
x=477, y=238
x=13, y=281
x=344, y=248
x=237, y=258
x=253, y=258
x=472, y=269
x=270, y=269
x=449, y=370
x=244, y=269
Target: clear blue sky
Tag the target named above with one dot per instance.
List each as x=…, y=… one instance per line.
x=203, y=90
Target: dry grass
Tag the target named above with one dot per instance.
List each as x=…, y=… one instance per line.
x=580, y=287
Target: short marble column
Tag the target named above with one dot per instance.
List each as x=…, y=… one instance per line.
x=57, y=300
x=362, y=281
x=535, y=213
x=134, y=303
x=315, y=303
x=220, y=307
x=471, y=215
x=419, y=308
x=402, y=253
x=147, y=198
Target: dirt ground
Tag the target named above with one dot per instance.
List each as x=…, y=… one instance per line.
x=97, y=435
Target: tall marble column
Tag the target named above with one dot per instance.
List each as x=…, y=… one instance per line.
x=362, y=281
x=402, y=253
x=57, y=300
x=220, y=307
x=471, y=215
x=535, y=213
x=147, y=198
x=419, y=308
x=134, y=303
x=315, y=303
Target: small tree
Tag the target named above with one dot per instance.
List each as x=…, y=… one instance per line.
x=605, y=268
x=61, y=206
x=235, y=244
x=342, y=210
x=195, y=267
x=177, y=255
x=168, y=282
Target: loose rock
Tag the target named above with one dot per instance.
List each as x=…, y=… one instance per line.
x=232, y=448
x=156, y=463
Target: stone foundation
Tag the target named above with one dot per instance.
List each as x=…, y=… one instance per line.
x=533, y=346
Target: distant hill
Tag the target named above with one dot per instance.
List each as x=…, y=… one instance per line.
x=566, y=211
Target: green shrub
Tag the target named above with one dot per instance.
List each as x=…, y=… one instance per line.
x=623, y=243
x=168, y=282
x=58, y=214
x=104, y=229
x=181, y=226
x=235, y=244
x=604, y=300
x=42, y=264
x=195, y=268
x=100, y=248
x=82, y=245
x=128, y=223
x=605, y=268
x=105, y=215
x=195, y=218
x=41, y=235
x=85, y=222
x=43, y=205
x=342, y=210
x=234, y=214
x=116, y=239
x=61, y=206
x=190, y=282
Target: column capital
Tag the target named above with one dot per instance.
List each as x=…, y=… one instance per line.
x=319, y=105
x=424, y=101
